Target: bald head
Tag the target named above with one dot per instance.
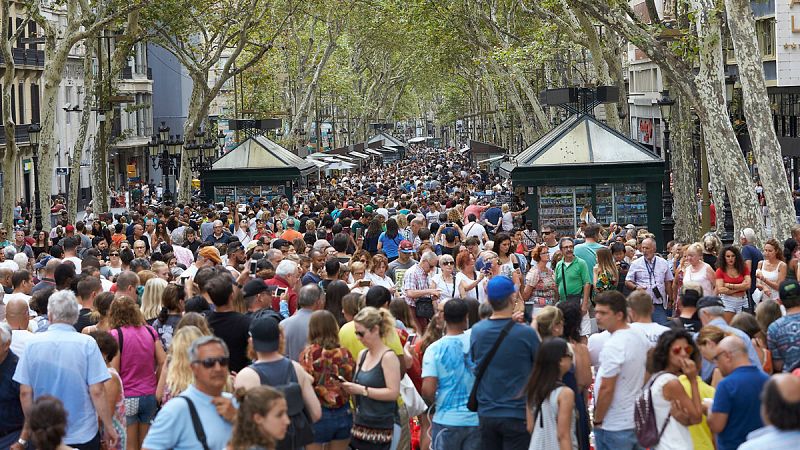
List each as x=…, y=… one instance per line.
x=780, y=402
x=733, y=344
x=731, y=354
x=17, y=314
x=50, y=267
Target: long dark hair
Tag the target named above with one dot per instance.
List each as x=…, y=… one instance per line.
x=392, y=229
x=572, y=320
x=659, y=355
x=738, y=264
x=546, y=374
x=498, y=239
x=333, y=299
x=374, y=228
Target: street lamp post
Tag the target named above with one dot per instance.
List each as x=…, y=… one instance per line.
x=164, y=151
x=665, y=103
x=33, y=134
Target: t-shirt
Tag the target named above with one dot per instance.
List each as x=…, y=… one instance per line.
x=389, y=246
x=691, y=324
x=702, y=438
x=474, y=229
x=738, y=396
x=750, y=252
x=783, y=340
x=493, y=216
x=233, y=328
x=623, y=356
x=137, y=360
x=348, y=340
x=397, y=270
x=448, y=360
x=165, y=330
x=576, y=274
x=510, y=367
x=652, y=331
x=588, y=253
x=84, y=319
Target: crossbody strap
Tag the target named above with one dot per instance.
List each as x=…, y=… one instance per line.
x=489, y=356
x=564, y=280
x=196, y=423
x=119, y=340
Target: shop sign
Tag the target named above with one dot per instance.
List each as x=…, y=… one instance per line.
x=787, y=42
x=644, y=131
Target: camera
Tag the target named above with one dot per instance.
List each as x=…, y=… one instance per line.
x=253, y=266
x=656, y=292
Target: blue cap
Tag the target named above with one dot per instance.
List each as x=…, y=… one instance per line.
x=499, y=288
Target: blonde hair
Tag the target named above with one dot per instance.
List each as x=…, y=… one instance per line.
x=402, y=221
x=358, y=266
x=605, y=262
x=179, y=370
x=151, y=298
x=547, y=318
x=370, y=317
x=696, y=248
x=146, y=275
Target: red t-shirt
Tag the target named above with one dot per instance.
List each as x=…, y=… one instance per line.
x=722, y=275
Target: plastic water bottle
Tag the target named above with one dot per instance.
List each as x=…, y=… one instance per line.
x=284, y=309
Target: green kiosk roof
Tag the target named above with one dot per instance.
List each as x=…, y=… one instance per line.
x=258, y=152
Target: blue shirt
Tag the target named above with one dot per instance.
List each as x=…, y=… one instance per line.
x=449, y=361
x=750, y=252
x=493, y=216
x=771, y=437
x=783, y=339
x=173, y=427
x=63, y=363
x=499, y=392
x=738, y=396
x=390, y=246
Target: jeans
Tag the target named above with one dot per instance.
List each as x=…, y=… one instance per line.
x=334, y=425
x=503, y=433
x=660, y=315
x=446, y=437
x=615, y=440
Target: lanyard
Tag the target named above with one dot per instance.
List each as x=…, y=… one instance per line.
x=650, y=270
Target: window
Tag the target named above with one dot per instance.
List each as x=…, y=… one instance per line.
x=21, y=102
x=35, y=113
x=765, y=31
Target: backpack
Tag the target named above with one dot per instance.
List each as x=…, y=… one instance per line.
x=300, y=432
x=644, y=417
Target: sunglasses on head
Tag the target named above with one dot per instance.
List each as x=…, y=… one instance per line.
x=211, y=362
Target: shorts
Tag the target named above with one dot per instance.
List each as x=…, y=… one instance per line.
x=334, y=425
x=141, y=409
x=586, y=325
x=733, y=304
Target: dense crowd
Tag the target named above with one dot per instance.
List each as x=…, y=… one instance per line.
x=404, y=306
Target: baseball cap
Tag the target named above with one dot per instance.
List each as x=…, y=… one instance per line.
x=42, y=262
x=708, y=301
x=789, y=289
x=266, y=334
x=70, y=228
x=630, y=226
x=500, y=288
x=254, y=287
x=406, y=246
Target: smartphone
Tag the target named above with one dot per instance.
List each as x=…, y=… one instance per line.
x=359, y=232
x=363, y=283
x=487, y=267
x=253, y=266
x=280, y=291
x=341, y=378
x=411, y=338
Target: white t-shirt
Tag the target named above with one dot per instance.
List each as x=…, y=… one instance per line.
x=624, y=356
x=75, y=260
x=18, y=340
x=19, y=295
x=449, y=289
x=378, y=281
x=596, y=343
x=474, y=229
x=508, y=221
x=677, y=436
x=477, y=293
x=652, y=331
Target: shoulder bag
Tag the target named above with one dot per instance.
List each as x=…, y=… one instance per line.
x=573, y=297
x=196, y=423
x=472, y=403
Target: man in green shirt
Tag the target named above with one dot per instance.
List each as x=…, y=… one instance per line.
x=573, y=279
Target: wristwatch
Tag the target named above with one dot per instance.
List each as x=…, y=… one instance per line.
x=22, y=442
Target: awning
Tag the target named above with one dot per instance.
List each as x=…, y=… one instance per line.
x=359, y=155
x=491, y=160
x=464, y=150
x=341, y=165
x=416, y=140
x=316, y=162
x=387, y=150
x=340, y=157
x=373, y=152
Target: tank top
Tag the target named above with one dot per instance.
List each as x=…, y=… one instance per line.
x=700, y=277
x=545, y=428
x=676, y=436
x=371, y=412
x=772, y=276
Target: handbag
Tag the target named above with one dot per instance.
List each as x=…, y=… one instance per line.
x=415, y=404
x=472, y=403
x=644, y=417
x=424, y=307
x=573, y=297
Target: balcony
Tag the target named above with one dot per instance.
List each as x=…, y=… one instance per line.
x=26, y=57
x=126, y=74
x=20, y=134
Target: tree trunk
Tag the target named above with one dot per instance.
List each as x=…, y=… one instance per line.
x=86, y=114
x=9, y=168
x=719, y=135
x=198, y=109
x=684, y=173
x=767, y=150
x=612, y=47
x=601, y=68
x=51, y=79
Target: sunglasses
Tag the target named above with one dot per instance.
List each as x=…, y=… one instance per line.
x=208, y=363
x=677, y=350
x=360, y=333
x=113, y=254
x=714, y=359
x=447, y=263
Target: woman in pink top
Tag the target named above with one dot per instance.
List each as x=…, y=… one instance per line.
x=139, y=362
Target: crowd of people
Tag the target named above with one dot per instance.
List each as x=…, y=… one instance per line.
x=392, y=309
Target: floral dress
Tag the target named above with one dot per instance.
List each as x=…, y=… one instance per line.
x=544, y=287
x=118, y=418
x=605, y=282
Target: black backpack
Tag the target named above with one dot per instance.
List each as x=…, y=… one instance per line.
x=300, y=432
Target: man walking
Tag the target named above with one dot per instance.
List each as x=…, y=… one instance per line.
x=502, y=411
x=574, y=282
x=651, y=274
x=295, y=328
x=619, y=376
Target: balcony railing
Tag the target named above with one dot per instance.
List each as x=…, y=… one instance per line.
x=127, y=73
x=20, y=134
x=26, y=57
